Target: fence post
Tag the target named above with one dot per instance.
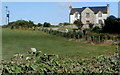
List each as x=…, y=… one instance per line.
x=113, y=38
x=105, y=37
x=78, y=36
x=118, y=51
x=65, y=35
x=99, y=39
x=91, y=38
x=73, y=35
x=86, y=38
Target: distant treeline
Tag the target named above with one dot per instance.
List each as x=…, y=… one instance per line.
x=26, y=24
x=111, y=25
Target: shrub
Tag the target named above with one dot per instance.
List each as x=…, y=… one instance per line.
x=78, y=23
x=112, y=25
x=39, y=24
x=21, y=24
x=46, y=24
x=65, y=23
x=43, y=63
x=91, y=25
x=97, y=29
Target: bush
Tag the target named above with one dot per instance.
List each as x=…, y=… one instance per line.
x=78, y=23
x=65, y=23
x=39, y=62
x=91, y=25
x=21, y=24
x=46, y=24
x=39, y=24
x=112, y=25
x=97, y=29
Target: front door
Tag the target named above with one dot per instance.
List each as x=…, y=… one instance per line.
x=87, y=22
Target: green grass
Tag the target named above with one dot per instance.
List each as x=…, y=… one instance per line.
x=20, y=41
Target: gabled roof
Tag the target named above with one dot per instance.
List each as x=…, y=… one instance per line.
x=73, y=10
x=97, y=9
x=103, y=9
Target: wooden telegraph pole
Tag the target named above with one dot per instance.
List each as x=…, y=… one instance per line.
x=7, y=15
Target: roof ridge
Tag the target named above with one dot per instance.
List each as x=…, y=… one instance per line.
x=101, y=6
x=95, y=9
x=76, y=8
x=95, y=6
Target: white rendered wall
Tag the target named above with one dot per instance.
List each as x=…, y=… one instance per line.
x=84, y=18
x=104, y=16
x=72, y=18
x=93, y=17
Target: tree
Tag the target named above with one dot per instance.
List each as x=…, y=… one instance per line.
x=65, y=23
x=21, y=24
x=91, y=25
x=112, y=25
x=96, y=29
x=39, y=24
x=31, y=23
x=60, y=24
x=78, y=23
x=113, y=17
x=46, y=24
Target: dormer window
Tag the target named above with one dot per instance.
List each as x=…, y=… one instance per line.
x=87, y=14
x=100, y=14
x=76, y=16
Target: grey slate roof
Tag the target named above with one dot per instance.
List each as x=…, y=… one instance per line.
x=103, y=9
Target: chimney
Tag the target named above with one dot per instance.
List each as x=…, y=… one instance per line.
x=70, y=7
x=108, y=9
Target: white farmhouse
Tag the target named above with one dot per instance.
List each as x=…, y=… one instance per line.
x=94, y=15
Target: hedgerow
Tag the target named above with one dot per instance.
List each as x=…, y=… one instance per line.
x=38, y=62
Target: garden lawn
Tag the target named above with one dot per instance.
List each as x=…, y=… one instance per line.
x=20, y=41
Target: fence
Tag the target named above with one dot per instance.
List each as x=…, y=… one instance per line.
x=76, y=35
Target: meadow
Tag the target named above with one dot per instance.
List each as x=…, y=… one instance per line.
x=20, y=41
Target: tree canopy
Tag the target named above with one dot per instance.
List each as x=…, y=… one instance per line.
x=21, y=24
x=112, y=25
x=46, y=24
x=78, y=23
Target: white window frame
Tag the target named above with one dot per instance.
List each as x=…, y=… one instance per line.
x=76, y=15
x=100, y=22
x=100, y=14
x=87, y=14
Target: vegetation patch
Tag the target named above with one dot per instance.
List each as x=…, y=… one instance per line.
x=38, y=62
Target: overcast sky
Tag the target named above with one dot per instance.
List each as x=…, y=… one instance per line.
x=52, y=12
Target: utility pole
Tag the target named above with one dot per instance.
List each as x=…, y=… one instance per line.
x=119, y=9
x=7, y=15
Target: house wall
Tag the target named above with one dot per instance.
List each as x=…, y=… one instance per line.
x=84, y=18
x=94, y=19
x=97, y=18
x=108, y=9
x=72, y=18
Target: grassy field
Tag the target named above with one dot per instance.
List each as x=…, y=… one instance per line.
x=20, y=41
